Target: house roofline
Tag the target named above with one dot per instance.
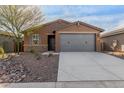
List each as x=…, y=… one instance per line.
x=5, y=33
x=91, y=26
x=86, y=24
x=111, y=33
x=45, y=24
x=71, y=23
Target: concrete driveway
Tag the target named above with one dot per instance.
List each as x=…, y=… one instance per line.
x=89, y=66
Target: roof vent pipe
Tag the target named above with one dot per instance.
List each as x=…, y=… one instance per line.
x=78, y=23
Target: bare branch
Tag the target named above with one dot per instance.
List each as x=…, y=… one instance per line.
x=15, y=19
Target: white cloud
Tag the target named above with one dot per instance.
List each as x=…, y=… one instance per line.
x=83, y=9
x=120, y=24
x=107, y=22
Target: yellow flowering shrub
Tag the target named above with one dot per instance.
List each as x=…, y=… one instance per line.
x=1, y=52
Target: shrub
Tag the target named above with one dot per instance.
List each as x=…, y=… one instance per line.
x=32, y=50
x=1, y=52
x=50, y=54
x=37, y=55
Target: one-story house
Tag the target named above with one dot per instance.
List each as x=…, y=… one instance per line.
x=113, y=38
x=61, y=35
x=6, y=41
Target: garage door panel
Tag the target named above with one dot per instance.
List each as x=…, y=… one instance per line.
x=77, y=42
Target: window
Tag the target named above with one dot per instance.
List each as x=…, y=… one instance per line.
x=35, y=39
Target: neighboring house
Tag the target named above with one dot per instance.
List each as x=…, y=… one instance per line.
x=6, y=41
x=109, y=38
x=61, y=35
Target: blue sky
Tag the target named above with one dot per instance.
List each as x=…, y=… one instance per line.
x=106, y=17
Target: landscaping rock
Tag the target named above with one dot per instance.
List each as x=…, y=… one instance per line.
x=12, y=71
x=1, y=80
x=19, y=80
x=23, y=76
x=39, y=78
x=29, y=68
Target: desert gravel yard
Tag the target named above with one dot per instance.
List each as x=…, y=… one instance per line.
x=29, y=67
x=43, y=70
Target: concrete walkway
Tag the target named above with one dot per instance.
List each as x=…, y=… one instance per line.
x=80, y=84
x=89, y=66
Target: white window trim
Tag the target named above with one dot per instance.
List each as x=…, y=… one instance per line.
x=37, y=37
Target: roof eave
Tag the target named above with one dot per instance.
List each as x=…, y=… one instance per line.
x=45, y=24
x=115, y=32
x=92, y=26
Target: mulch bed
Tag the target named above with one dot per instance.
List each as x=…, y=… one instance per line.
x=35, y=67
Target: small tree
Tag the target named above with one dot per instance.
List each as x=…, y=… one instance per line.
x=16, y=19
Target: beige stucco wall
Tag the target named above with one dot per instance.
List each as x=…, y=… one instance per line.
x=109, y=39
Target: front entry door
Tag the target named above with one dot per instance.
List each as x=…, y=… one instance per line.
x=51, y=42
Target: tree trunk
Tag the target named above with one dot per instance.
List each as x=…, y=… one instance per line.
x=18, y=41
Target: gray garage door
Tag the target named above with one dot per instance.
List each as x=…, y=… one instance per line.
x=77, y=42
